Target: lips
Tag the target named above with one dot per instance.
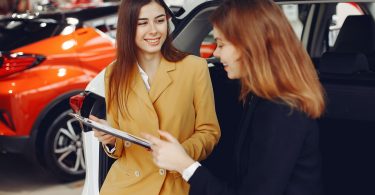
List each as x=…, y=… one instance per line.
x=153, y=42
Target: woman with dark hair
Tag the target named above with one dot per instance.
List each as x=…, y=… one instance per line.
x=276, y=150
x=152, y=86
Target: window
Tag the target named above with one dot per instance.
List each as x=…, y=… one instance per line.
x=208, y=46
x=343, y=10
x=296, y=15
x=107, y=24
x=292, y=14
x=18, y=32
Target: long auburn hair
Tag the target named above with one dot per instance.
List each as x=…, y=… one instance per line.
x=276, y=64
x=122, y=71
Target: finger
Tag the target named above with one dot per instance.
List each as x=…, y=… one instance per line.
x=155, y=154
x=107, y=136
x=155, y=161
x=94, y=118
x=168, y=136
x=108, y=140
x=152, y=139
x=153, y=148
x=98, y=133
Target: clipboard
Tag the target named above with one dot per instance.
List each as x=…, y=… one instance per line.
x=112, y=131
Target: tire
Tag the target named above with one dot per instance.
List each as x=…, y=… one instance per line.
x=63, y=148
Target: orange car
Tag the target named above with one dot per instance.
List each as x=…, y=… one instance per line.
x=45, y=59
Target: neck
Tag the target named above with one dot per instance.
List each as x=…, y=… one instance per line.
x=149, y=62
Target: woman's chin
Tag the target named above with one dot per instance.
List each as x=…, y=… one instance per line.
x=232, y=76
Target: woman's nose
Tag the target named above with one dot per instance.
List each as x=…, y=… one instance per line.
x=153, y=28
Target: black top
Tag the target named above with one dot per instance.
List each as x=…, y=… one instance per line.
x=276, y=153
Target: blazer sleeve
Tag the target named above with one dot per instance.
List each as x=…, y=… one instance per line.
x=207, y=131
x=112, y=117
x=277, y=139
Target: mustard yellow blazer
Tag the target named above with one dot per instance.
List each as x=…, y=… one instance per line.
x=181, y=102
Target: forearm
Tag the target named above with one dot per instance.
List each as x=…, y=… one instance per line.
x=201, y=144
x=206, y=129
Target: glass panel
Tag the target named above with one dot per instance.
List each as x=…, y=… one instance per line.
x=296, y=14
x=291, y=12
x=343, y=10
x=208, y=46
x=107, y=24
x=17, y=33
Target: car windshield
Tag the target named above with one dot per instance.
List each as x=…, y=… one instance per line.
x=15, y=33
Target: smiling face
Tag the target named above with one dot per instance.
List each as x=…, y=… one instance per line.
x=229, y=55
x=152, y=29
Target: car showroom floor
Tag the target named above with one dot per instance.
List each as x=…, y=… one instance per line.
x=20, y=176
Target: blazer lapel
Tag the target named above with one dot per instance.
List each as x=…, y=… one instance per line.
x=245, y=129
x=140, y=89
x=162, y=79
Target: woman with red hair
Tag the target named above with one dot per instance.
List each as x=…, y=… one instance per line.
x=277, y=148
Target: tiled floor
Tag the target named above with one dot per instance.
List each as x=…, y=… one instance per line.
x=18, y=176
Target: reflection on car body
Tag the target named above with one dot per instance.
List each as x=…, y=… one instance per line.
x=45, y=59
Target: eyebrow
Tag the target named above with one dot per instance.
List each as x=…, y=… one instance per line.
x=161, y=15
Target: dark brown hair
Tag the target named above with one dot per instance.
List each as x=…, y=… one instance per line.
x=122, y=71
x=277, y=65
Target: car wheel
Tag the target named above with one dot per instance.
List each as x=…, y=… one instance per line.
x=63, y=148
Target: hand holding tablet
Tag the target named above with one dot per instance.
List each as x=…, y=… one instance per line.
x=112, y=131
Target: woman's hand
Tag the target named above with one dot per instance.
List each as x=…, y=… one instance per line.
x=105, y=138
x=169, y=154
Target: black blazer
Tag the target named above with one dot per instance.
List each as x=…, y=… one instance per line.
x=276, y=153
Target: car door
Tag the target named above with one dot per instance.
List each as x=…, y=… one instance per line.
x=339, y=38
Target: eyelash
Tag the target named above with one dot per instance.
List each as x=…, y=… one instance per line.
x=159, y=21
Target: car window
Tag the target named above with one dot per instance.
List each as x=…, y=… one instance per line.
x=17, y=33
x=107, y=24
x=208, y=46
x=291, y=12
x=343, y=10
x=296, y=15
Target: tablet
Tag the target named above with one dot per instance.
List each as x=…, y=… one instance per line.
x=112, y=131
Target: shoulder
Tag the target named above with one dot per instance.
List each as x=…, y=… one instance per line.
x=277, y=115
x=277, y=109
x=107, y=75
x=194, y=61
x=109, y=69
x=193, y=67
